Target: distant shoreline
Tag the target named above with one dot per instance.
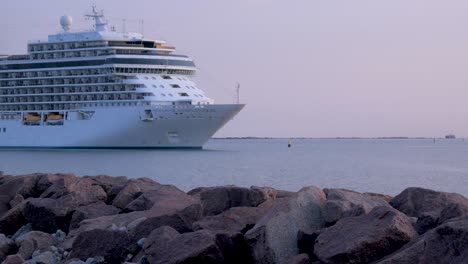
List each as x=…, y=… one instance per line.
x=357, y=138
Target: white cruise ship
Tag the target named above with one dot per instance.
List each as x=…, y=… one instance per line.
x=104, y=89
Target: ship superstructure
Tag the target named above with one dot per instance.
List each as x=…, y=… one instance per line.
x=104, y=89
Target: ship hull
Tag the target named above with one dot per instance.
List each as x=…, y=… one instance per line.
x=165, y=127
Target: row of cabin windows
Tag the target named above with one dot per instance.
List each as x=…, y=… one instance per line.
x=68, y=98
x=54, y=73
x=72, y=89
x=153, y=71
x=67, y=106
x=66, y=45
x=57, y=81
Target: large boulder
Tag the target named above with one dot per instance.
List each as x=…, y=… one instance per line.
x=90, y=211
x=274, y=238
x=179, y=211
x=166, y=246
x=33, y=241
x=161, y=196
x=365, y=238
x=216, y=200
x=14, y=259
x=82, y=191
x=344, y=203
x=451, y=211
x=108, y=182
x=132, y=190
x=181, y=220
x=45, y=180
x=7, y=247
x=446, y=244
x=48, y=215
x=426, y=205
x=22, y=185
x=236, y=219
x=113, y=245
x=110, y=222
x=13, y=220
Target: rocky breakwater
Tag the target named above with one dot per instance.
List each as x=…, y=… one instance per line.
x=61, y=218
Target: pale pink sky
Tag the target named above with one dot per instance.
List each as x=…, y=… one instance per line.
x=325, y=68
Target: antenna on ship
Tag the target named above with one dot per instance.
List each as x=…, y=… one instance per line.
x=238, y=93
x=98, y=16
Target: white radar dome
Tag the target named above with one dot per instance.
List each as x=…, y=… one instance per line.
x=66, y=22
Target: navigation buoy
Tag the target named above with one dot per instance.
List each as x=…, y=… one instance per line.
x=289, y=143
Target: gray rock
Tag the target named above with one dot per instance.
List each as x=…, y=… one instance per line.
x=418, y=201
x=33, y=241
x=365, y=238
x=344, y=203
x=216, y=200
x=445, y=244
x=141, y=242
x=59, y=235
x=110, y=244
x=22, y=231
x=426, y=205
x=274, y=238
x=46, y=257
x=451, y=211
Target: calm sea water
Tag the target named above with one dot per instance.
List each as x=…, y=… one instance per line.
x=367, y=165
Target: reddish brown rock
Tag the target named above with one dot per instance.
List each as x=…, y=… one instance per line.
x=82, y=191
x=299, y=259
x=345, y=203
x=12, y=220
x=120, y=221
x=162, y=196
x=132, y=189
x=49, y=215
x=236, y=219
x=20, y=185
x=274, y=238
x=195, y=247
x=444, y=244
x=14, y=259
x=113, y=245
x=180, y=219
x=365, y=238
x=90, y=211
x=216, y=200
x=7, y=247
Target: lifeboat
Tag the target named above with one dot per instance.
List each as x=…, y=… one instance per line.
x=54, y=117
x=32, y=118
